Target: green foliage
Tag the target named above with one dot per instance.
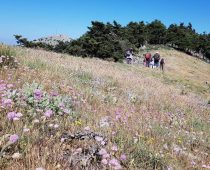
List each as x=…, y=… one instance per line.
x=109, y=41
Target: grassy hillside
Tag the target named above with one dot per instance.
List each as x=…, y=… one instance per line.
x=129, y=116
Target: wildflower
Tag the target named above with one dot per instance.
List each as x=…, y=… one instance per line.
x=102, y=152
x=87, y=128
x=103, y=142
x=38, y=94
x=63, y=139
x=14, y=116
x=10, y=86
x=53, y=94
x=193, y=163
x=56, y=126
x=78, y=122
x=114, y=148
x=66, y=111
x=19, y=115
x=26, y=129
x=115, y=163
x=105, y=156
x=6, y=102
x=77, y=151
x=16, y=155
x=61, y=106
x=11, y=115
x=123, y=157
x=104, y=161
x=206, y=166
x=40, y=168
x=98, y=138
x=13, y=138
x=48, y=113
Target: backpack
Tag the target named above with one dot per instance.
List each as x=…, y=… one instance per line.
x=156, y=57
x=148, y=56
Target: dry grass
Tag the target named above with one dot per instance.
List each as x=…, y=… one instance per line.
x=162, y=120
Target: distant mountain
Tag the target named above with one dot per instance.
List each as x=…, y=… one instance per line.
x=54, y=39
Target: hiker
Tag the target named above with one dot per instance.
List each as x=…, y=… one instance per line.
x=162, y=63
x=151, y=64
x=148, y=58
x=156, y=59
x=129, y=55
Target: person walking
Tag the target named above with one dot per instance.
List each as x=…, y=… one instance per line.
x=148, y=57
x=129, y=56
x=156, y=59
x=162, y=64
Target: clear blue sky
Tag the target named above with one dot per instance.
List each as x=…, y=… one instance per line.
x=36, y=18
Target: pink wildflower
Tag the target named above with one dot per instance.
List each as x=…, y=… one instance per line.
x=40, y=168
x=105, y=156
x=6, y=102
x=115, y=163
x=114, y=148
x=11, y=115
x=102, y=152
x=123, y=157
x=98, y=138
x=87, y=128
x=13, y=138
x=10, y=86
x=104, y=161
x=48, y=113
x=38, y=94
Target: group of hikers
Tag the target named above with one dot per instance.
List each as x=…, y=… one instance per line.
x=149, y=61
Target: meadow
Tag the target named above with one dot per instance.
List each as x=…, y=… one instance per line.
x=65, y=112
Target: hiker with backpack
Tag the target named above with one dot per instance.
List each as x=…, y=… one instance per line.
x=162, y=63
x=148, y=57
x=129, y=55
x=156, y=58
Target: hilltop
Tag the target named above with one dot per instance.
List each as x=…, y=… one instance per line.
x=54, y=39
x=129, y=116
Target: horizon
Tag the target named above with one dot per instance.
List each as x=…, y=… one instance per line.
x=36, y=19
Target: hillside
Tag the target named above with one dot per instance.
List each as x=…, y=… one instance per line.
x=129, y=116
x=53, y=39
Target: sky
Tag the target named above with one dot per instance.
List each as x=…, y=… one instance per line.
x=38, y=18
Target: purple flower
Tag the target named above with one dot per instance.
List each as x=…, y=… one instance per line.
x=48, y=113
x=13, y=138
x=61, y=106
x=105, y=156
x=87, y=128
x=114, y=148
x=206, y=166
x=11, y=115
x=6, y=102
x=38, y=94
x=14, y=116
x=102, y=152
x=123, y=157
x=98, y=138
x=104, y=161
x=115, y=164
x=10, y=86
x=54, y=94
